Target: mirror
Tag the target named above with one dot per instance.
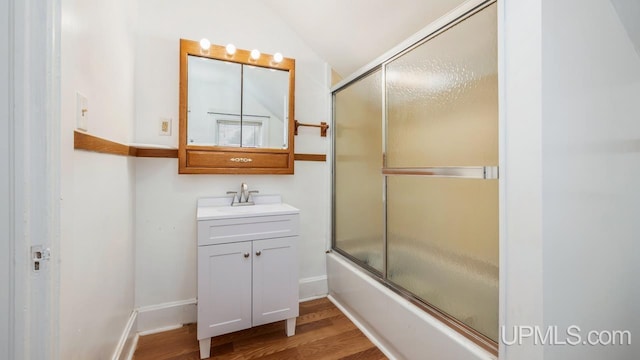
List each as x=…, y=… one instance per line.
x=236, y=113
x=229, y=102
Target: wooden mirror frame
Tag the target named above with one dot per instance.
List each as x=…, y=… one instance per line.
x=194, y=159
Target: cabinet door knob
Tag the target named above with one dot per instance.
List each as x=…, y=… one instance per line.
x=246, y=255
x=258, y=253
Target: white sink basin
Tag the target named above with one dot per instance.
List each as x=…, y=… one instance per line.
x=220, y=208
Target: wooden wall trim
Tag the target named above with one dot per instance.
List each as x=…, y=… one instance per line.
x=157, y=153
x=84, y=141
x=310, y=157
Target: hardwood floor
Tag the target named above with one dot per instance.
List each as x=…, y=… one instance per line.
x=322, y=332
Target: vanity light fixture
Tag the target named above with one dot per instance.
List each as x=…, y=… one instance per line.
x=277, y=58
x=231, y=49
x=250, y=76
x=205, y=44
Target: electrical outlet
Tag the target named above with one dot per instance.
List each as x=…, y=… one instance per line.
x=82, y=112
x=165, y=126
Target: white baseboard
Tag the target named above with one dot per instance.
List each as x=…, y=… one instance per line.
x=313, y=288
x=166, y=316
x=128, y=340
x=160, y=330
x=312, y=298
x=132, y=349
x=171, y=315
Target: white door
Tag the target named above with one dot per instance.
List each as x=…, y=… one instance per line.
x=5, y=248
x=29, y=172
x=224, y=288
x=275, y=280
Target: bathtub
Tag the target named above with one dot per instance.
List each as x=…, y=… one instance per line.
x=400, y=329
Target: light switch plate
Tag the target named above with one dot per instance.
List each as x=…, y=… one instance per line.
x=82, y=112
x=165, y=126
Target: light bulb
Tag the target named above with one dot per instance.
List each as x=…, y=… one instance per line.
x=231, y=49
x=277, y=58
x=205, y=44
x=255, y=54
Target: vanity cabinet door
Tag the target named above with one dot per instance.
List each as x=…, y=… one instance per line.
x=224, y=288
x=275, y=280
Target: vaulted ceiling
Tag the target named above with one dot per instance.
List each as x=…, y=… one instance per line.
x=348, y=34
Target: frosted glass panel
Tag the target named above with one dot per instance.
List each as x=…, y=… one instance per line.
x=442, y=98
x=441, y=232
x=442, y=237
x=358, y=180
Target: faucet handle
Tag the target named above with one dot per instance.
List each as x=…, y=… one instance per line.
x=251, y=192
x=235, y=193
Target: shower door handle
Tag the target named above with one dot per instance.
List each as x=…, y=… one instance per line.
x=467, y=172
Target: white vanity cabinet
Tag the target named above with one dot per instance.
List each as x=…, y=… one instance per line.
x=247, y=268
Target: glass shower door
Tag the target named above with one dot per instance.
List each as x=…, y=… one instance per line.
x=441, y=172
x=358, y=209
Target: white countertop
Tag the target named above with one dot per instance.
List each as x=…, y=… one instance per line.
x=220, y=208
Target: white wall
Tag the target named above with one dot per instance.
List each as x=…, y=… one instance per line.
x=165, y=201
x=590, y=173
x=5, y=191
x=519, y=71
x=97, y=247
x=571, y=76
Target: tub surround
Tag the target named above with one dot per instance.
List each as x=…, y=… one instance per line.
x=384, y=317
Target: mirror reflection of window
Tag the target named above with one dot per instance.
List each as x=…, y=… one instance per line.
x=222, y=95
x=229, y=132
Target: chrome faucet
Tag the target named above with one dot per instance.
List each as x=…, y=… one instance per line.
x=244, y=192
x=244, y=197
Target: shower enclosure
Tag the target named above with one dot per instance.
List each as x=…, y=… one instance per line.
x=415, y=173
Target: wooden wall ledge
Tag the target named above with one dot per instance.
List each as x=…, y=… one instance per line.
x=84, y=141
